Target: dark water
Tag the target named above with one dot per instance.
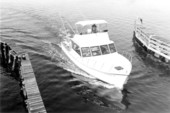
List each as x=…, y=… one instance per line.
x=32, y=25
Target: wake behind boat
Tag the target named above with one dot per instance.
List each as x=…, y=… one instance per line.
x=90, y=49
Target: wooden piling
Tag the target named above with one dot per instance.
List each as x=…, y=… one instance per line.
x=34, y=102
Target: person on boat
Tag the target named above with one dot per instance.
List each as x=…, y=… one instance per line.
x=94, y=28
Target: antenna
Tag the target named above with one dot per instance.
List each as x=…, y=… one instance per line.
x=62, y=22
x=66, y=22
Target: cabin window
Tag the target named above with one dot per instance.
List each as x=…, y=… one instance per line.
x=76, y=48
x=95, y=51
x=104, y=49
x=85, y=51
x=112, y=48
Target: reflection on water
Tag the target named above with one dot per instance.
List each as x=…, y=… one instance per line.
x=35, y=27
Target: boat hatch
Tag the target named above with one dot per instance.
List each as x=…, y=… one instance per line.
x=119, y=68
x=86, y=27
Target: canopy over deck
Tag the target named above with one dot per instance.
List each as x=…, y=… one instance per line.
x=85, y=27
x=90, y=22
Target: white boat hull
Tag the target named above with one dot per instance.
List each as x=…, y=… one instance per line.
x=117, y=80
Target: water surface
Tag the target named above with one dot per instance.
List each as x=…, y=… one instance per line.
x=32, y=25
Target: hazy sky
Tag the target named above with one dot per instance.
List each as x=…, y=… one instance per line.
x=151, y=4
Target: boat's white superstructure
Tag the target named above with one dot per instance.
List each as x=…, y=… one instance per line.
x=153, y=44
x=91, y=50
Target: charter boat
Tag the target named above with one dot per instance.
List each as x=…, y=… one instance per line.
x=91, y=49
x=153, y=44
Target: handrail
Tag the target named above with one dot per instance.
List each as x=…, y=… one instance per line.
x=161, y=42
x=62, y=21
x=159, y=46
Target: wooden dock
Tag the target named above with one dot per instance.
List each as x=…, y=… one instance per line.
x=32, y=96
x=34, y=100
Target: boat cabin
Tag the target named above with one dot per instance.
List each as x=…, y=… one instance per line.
x=92, y=39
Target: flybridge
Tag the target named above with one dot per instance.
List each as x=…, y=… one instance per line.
x=90, y=22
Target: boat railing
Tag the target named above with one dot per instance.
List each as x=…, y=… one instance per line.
x=151, y=42
x=127, y=55
x=154, y=43
x=145, y=38
x=160, y=46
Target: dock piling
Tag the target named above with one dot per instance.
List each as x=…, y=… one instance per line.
x=17, y=61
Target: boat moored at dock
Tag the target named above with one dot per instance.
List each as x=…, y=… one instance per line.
x=153, y=44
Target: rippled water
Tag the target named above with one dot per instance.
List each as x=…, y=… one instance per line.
x=33, y=25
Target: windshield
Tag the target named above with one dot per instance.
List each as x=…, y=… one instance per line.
x=76, y=48
x=98, y=50
x=112, y=48
x=105, y=49
x=95, y=51
x=85, y=52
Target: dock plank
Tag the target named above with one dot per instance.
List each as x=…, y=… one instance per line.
x=33, y=102
x=31, y=99
x=40, y=110
x=27, y=71
x=34, y=96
